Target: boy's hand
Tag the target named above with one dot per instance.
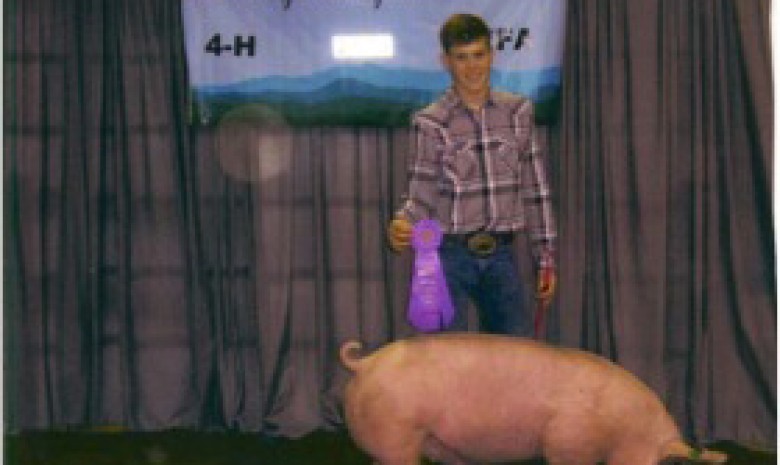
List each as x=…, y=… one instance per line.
x=399, y=233
x=545, y=285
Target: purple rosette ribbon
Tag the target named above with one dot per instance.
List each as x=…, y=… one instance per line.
x=430, y=306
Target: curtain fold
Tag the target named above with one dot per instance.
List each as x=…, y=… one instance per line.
x=93, y=136
x=667, y=258
x=160, y=274
x=309, y=207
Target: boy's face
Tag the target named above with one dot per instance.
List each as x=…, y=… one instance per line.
x=469, y=65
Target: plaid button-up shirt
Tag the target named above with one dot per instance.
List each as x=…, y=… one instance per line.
x=482, y=170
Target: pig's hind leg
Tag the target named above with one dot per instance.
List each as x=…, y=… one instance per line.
x=389, y=440
x=398, y=453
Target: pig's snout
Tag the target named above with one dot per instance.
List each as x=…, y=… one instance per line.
x=679, y=450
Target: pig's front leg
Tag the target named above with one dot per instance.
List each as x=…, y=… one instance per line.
x=437, y=451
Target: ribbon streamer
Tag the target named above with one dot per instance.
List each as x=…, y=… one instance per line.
x=430, y=305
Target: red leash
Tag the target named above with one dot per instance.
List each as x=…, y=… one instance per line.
x=541, y=308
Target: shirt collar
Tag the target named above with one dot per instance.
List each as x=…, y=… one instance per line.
x=453, y=100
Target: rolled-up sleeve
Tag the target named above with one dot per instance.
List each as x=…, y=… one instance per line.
x=423, y=170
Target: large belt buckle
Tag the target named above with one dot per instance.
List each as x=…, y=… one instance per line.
x=482, y=244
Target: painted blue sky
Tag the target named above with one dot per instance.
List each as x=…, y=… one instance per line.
x=297, y=41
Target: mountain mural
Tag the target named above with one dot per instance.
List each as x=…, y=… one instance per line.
x=360, y=94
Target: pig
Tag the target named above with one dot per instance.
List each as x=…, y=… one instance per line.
x=467, y=398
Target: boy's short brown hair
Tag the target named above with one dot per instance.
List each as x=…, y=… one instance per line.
x=463, y=28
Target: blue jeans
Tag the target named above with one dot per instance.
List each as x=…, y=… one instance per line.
x=492, y=283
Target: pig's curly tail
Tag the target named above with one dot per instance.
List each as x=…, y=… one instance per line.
x=350, y=355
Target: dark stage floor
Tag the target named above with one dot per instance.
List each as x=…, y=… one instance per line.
x=198, y=448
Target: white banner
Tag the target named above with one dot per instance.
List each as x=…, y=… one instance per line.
x=358, y=62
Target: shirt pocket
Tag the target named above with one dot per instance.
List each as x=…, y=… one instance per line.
x=505, y=156
x=460, y=163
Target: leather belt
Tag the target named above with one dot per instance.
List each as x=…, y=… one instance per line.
x=481, y=243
